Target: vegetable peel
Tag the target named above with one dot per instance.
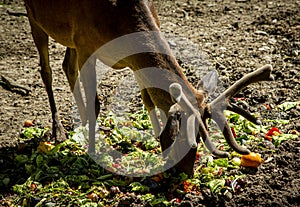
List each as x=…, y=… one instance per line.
x=251, y=160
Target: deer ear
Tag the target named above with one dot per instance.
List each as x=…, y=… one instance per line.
x=209, y=82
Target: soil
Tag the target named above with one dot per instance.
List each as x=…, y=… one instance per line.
x=236, y=36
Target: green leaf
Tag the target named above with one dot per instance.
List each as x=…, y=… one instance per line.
x=38, y=175
x=251, y=128
x=32, y=132
x=115, y=182
x=151, y=143
x=288, y=105
x=138, y=125
x=41, y=202
x=216, y=185
x=277, y=140
x=21, y=159
x=29, y=168
x=221, y=162
x=105, y=177
x=236, y=161
x=277, y=121
x=138, y=187
x=183, y=176
x=160, y=201
x=6, y=181
x=39, y=161
x=90, y=204
x=234, y=118
x=147, y=197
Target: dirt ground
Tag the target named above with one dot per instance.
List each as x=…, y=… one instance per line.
x=237, y=36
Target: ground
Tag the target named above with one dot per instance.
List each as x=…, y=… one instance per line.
x=237, y=37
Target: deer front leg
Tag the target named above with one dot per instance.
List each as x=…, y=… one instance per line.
x=41, y=41
x=89, y=81
x=151, y=111
x=168, y=130
x=70, y=67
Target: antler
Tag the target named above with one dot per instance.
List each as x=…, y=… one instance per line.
x=215, y=110
x=193, y=119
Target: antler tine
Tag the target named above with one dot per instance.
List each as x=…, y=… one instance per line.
x=223, y=124
x=234, y=108
x=209, y=144
x=191, y=131
x=261, y=74
x=193, y=118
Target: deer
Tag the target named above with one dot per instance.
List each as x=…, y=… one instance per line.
x=84, y=26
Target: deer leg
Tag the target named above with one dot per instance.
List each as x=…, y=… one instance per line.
x=169, y=132
x=152, y=113
x=70, y=66
x=41, y=41
x=89, y=81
